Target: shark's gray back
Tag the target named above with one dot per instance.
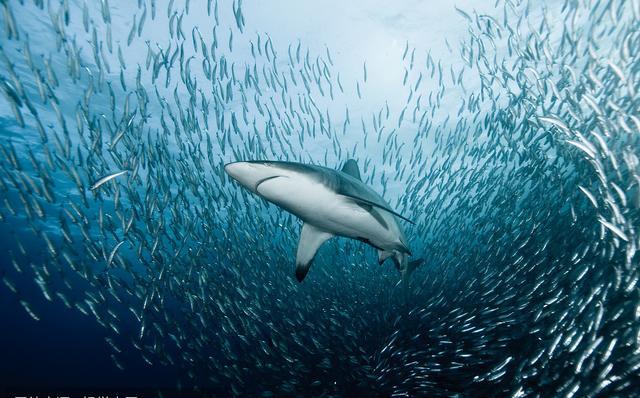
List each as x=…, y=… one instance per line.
x=342, y=183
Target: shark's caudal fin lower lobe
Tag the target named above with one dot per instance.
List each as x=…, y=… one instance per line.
x=402, y=263
x=408, y=270
x=412, y=265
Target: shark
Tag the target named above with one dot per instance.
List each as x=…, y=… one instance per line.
x=329, y=203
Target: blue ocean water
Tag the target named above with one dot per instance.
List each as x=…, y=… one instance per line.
x=501, y=137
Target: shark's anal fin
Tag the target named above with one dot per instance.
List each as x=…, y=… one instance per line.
x=351, y=167
x=311, y=238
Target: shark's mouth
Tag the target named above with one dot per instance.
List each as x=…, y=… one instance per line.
x=255, y=188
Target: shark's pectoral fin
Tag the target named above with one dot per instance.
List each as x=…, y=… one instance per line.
x=383, y=255
x=364, y=203
x=374, y=213
x=311, y=238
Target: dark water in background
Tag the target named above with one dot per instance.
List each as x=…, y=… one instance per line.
x=64, y=351
x=509, y=134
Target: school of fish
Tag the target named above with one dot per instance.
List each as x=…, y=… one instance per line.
x=516, y=157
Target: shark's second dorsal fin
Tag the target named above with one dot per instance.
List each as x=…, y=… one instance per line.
x=351, y=167
x=311, y=238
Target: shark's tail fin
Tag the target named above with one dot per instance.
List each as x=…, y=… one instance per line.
x=403, y=264
x=408, y=270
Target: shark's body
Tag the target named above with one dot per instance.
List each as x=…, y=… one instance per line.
x=330, y=203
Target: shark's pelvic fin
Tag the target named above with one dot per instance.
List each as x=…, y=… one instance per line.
x=311, y=238
x=351, y=167
x=383, y=255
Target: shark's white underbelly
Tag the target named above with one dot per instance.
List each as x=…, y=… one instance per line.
x=318, y=205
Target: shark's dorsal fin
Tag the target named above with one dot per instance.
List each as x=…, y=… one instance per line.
x=351, y=167
x=379, y=206
x=311, y=238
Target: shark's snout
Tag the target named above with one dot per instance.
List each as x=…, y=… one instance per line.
x=235, y=169
x=241, y=172
x=248, y=174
